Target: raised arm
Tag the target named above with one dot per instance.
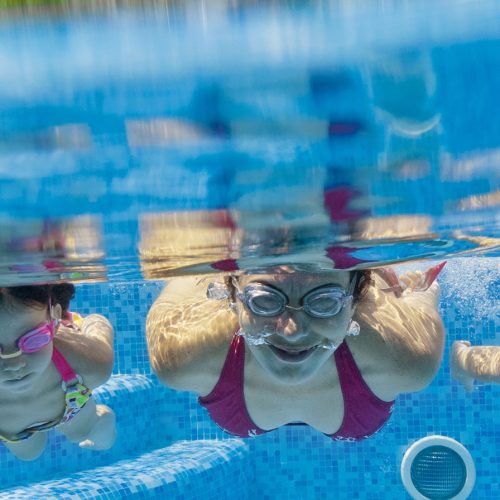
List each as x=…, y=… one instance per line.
x=478, y=362
x=187, y=334
x=89, y=349
x=405, y=335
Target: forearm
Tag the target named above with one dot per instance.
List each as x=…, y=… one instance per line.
x=480, y=362
x=80, y=426
x=94, y=427
x=178, y=334
x=29, y=449
x=412, y=332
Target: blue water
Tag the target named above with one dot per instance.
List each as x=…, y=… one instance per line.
x=112, y=122
x=168, y=445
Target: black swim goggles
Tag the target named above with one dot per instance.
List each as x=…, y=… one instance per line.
x=325, y=301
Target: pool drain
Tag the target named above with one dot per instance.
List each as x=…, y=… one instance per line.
x=438, y=468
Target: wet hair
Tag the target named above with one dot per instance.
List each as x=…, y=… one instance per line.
x=363, y=282
x=40, y=294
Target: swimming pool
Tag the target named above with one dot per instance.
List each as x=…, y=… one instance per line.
x=112, y=123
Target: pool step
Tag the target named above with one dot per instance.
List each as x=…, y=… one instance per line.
x=204, y=469
x=147, y=416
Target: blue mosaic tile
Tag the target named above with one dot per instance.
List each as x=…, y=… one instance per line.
x=185, y=470
x=293, y=462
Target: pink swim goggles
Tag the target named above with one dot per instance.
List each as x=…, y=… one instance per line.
x=34, y=340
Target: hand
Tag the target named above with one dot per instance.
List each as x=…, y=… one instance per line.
x=411, y=281
x=458, y=350
x=417, y=292
x=103, y=434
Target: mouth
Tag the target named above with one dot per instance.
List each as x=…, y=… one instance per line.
x=292, y=355
x=17, y=379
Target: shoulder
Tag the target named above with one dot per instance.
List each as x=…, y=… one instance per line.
x=412, y=320
x=386, y=374
x=183, y=307
x=184, y=288
x=88, y=349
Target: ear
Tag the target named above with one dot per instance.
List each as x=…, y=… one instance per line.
x=352, y=307
x=56, y=312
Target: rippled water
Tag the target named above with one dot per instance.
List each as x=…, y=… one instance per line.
x=149, y=142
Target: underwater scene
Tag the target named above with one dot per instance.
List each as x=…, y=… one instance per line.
x=249, y=249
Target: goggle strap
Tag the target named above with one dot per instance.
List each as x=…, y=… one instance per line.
x=10, y=356
x=352, y=285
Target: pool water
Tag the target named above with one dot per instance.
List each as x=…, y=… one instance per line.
x=138, y=144
x=167, y=444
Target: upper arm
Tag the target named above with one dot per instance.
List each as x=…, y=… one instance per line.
x=89, y=350
x=187, y=334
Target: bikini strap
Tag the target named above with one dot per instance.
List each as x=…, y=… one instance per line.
x=62, y=366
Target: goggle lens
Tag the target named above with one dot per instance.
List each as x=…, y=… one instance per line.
x=37, y=339
x=266, y=301
x=324, y=303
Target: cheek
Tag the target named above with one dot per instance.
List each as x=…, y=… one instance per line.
x=40, y=359
x=250, y=323
x=332, y=328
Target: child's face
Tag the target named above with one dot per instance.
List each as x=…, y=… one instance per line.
x=18, y=373
x=293, y=349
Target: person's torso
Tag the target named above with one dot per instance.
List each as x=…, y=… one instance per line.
x=42, y=405
x=318, y=403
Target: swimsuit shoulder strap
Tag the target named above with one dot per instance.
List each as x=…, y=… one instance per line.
x=364, y=411
x=77, y=394
x=62, y=366
x=226, y=402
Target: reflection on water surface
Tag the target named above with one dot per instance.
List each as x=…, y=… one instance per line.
x=46, y=250
x=354, y=154
x=155, y=139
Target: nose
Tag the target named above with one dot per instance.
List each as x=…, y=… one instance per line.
x=290, y=326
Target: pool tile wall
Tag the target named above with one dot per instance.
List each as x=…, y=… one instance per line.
x=301, y=463
x=297, y=462
x=212, y=470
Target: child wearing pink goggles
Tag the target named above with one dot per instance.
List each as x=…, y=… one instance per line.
x=28, y=379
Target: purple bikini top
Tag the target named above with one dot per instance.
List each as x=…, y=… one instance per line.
x=364, y=412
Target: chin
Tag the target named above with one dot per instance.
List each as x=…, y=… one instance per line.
x=293, y=376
